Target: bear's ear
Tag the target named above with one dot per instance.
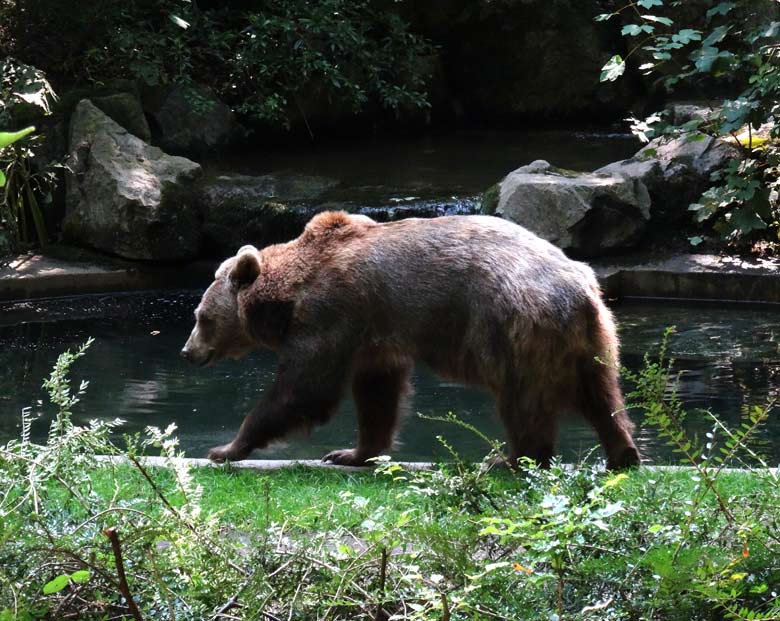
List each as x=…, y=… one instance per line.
x=246, y=269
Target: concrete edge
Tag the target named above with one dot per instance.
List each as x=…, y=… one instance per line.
x=39, y=277
x=273, y=465
x=682, y=277
x=722, y=287
x=268, y=465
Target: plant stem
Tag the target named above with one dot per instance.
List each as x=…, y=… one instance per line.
x=120, y=570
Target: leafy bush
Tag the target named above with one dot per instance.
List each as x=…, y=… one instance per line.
x=25, y=95
x=89, y=537
x=266, y=58
x=734, y=47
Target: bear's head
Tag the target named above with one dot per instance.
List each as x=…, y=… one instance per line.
x=220, y=331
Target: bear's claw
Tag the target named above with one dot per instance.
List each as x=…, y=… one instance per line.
x=226, y=452
x=345, y=457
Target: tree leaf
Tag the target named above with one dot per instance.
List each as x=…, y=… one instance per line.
x=179, y=21
x=81, y=576
x=686, y=35
x=716, y=36
x=657, y=18
x=7, y=138
x=746, y=220
x=649, y=4
x=56, y=585
x=720, y=9
x=614, y=68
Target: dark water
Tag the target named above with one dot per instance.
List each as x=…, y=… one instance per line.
x=732, y=358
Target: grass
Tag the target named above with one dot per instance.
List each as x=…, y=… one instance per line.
x=453, y=543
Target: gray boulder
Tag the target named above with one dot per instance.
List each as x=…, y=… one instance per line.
x=262, y=210
x=190, y=120
x=273, y=208
x=125, y=109
x=586, y=214
x=675, y=170
x=126, y=197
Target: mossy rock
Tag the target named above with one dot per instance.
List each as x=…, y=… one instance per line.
x=490, y=199
x=262, y=210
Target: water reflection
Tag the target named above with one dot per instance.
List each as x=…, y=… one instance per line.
x=731, y=357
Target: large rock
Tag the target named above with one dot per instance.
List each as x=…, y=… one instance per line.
x=273, y=208
x=126, y=197
x=125, y=109
x=586, y=214
x=675, y=170
x=262, y=210
x=190, y=120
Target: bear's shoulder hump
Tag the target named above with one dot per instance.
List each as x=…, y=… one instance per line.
x=338, y=223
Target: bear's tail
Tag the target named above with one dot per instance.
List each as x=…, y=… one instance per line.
x=600, y=399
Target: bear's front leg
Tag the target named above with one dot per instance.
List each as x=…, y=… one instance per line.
x=228, y=452
x=347, y=457
x=381, y=394
x=307, y=388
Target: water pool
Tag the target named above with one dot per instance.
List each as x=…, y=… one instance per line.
x=731, y=356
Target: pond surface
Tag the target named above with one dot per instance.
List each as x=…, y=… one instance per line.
x=731, y=356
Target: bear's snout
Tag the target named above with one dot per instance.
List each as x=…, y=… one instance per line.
x=193, y=357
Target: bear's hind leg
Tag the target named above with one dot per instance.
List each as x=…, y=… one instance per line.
x=601, y=402
x=380, y=399
x=531, y=427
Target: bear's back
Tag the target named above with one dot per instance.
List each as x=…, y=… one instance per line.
x=409, y=267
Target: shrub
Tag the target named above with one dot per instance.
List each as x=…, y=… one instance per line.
x=733, y=47
x=25, y=96
x=265, y=57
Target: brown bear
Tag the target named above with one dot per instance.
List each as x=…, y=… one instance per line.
x=353, y=303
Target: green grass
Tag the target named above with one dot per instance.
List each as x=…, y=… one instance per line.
x=305, y=544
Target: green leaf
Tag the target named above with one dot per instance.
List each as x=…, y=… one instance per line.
x=179, y=21
x=746, y=220
x=720, y=9
x=614, y=68
x=657, y=18
x=633, y=30
x=695, y=240
x=772, y=30
x=686, y=35
x=81, y=576
x=56, y=585
x=7, y=138
x=649, y=4
x=716, y=36
x=2, y=179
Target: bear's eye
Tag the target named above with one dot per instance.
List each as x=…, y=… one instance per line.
x=205, y=322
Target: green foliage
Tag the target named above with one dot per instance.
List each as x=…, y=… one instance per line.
x=735, y=46
x=24, y=94
x=459, y=542
x=269, y=58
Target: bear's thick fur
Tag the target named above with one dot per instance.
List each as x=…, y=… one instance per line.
x=353, y=303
